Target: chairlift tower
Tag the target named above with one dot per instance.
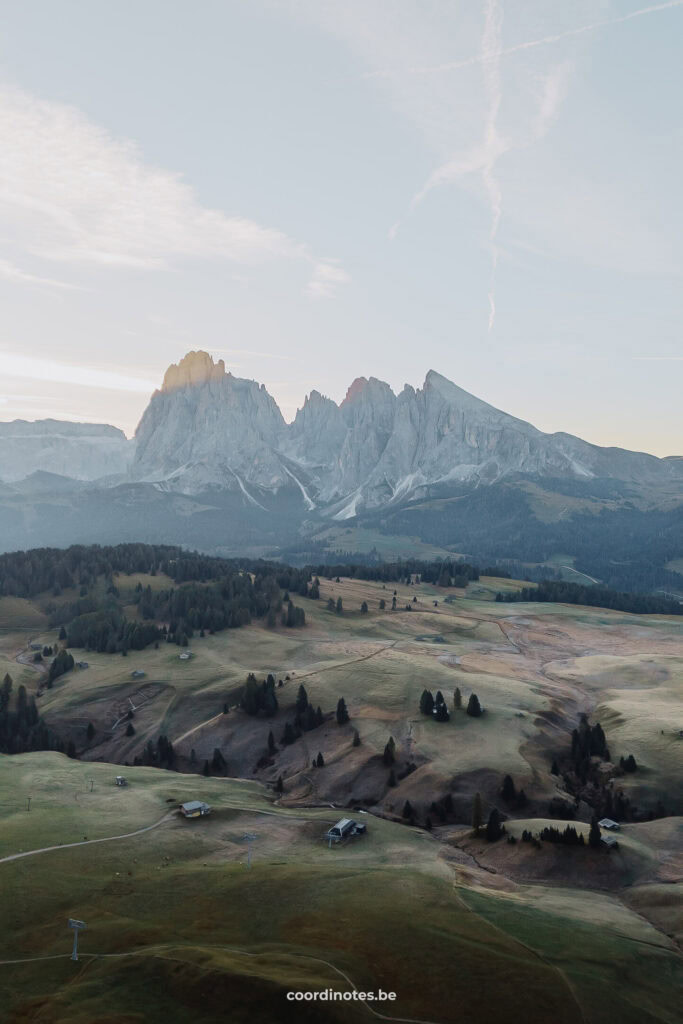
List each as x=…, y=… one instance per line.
x=77, y=927
x=249, y=838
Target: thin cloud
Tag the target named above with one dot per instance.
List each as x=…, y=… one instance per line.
x=31, y=368
x=328, y=276
x=71, y=193
x=486, y=57
x=13, y=273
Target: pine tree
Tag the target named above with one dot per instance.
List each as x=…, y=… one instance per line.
x=205, y=769
x=477, y=816
x=320, y=761
x=279, y=785
x=426, y=702
x=594, y=836
x=442, y=714
x=457, y=699
x=339, y=607
x=130, y=731
x=382, y=604
x=364, y=608
x=289, y=735
x=473, y=706
x=301, y=700
x=342, y=712
x=508, y=792
x=389, y=752
x=494, y=829
x=330, y=604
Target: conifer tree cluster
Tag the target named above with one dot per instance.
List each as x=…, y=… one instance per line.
x=157, y=755
x=61, y=664
x=434, y=706
x=259, y=697
x=21, y=728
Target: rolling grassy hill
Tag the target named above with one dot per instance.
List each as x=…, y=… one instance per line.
x=179, y=928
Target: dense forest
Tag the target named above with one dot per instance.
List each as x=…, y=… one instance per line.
x=85, y=593
x=596, y=597
x=21, y=727
x=625, y=548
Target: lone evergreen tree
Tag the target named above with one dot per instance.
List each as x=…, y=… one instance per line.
x=364, y=608
x=594, y=834
x=382, y=604
x=389, y=752
x=342, y=712
x=494, y=829
x=320, y=761
x=130, y=731
x=301, y=700
x=476, y=813
x=509, y=792
x=457, y=699
x=426, y=702
x=473, y=706
x=279, y=785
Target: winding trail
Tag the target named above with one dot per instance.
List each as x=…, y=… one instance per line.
x=297, y=679
x=157, y=951
x=88, y=842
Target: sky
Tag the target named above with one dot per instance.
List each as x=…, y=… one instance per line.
x=315, y=191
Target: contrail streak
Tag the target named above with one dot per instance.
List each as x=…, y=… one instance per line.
x=493, y=55
x=490, y=42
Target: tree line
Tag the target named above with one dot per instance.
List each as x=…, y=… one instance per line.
x=563, y=592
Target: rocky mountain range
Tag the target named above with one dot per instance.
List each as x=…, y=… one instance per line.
x=83, y=451
x=214, y=465
x=206, y=429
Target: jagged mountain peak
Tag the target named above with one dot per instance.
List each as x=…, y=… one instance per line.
x=207, y=428
x=364, y=388
x=194, y=368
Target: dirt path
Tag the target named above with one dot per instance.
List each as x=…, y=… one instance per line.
x=534, y=952
x=296, y=679
x=158, y=952
x=88, y=842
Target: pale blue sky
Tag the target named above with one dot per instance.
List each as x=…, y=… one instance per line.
x=315, y=191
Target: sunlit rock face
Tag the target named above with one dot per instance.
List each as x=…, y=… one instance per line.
x=206, y=428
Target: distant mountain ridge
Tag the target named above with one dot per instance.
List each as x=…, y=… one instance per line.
x=207, y=429
x=84, y=451
x=213, y=465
